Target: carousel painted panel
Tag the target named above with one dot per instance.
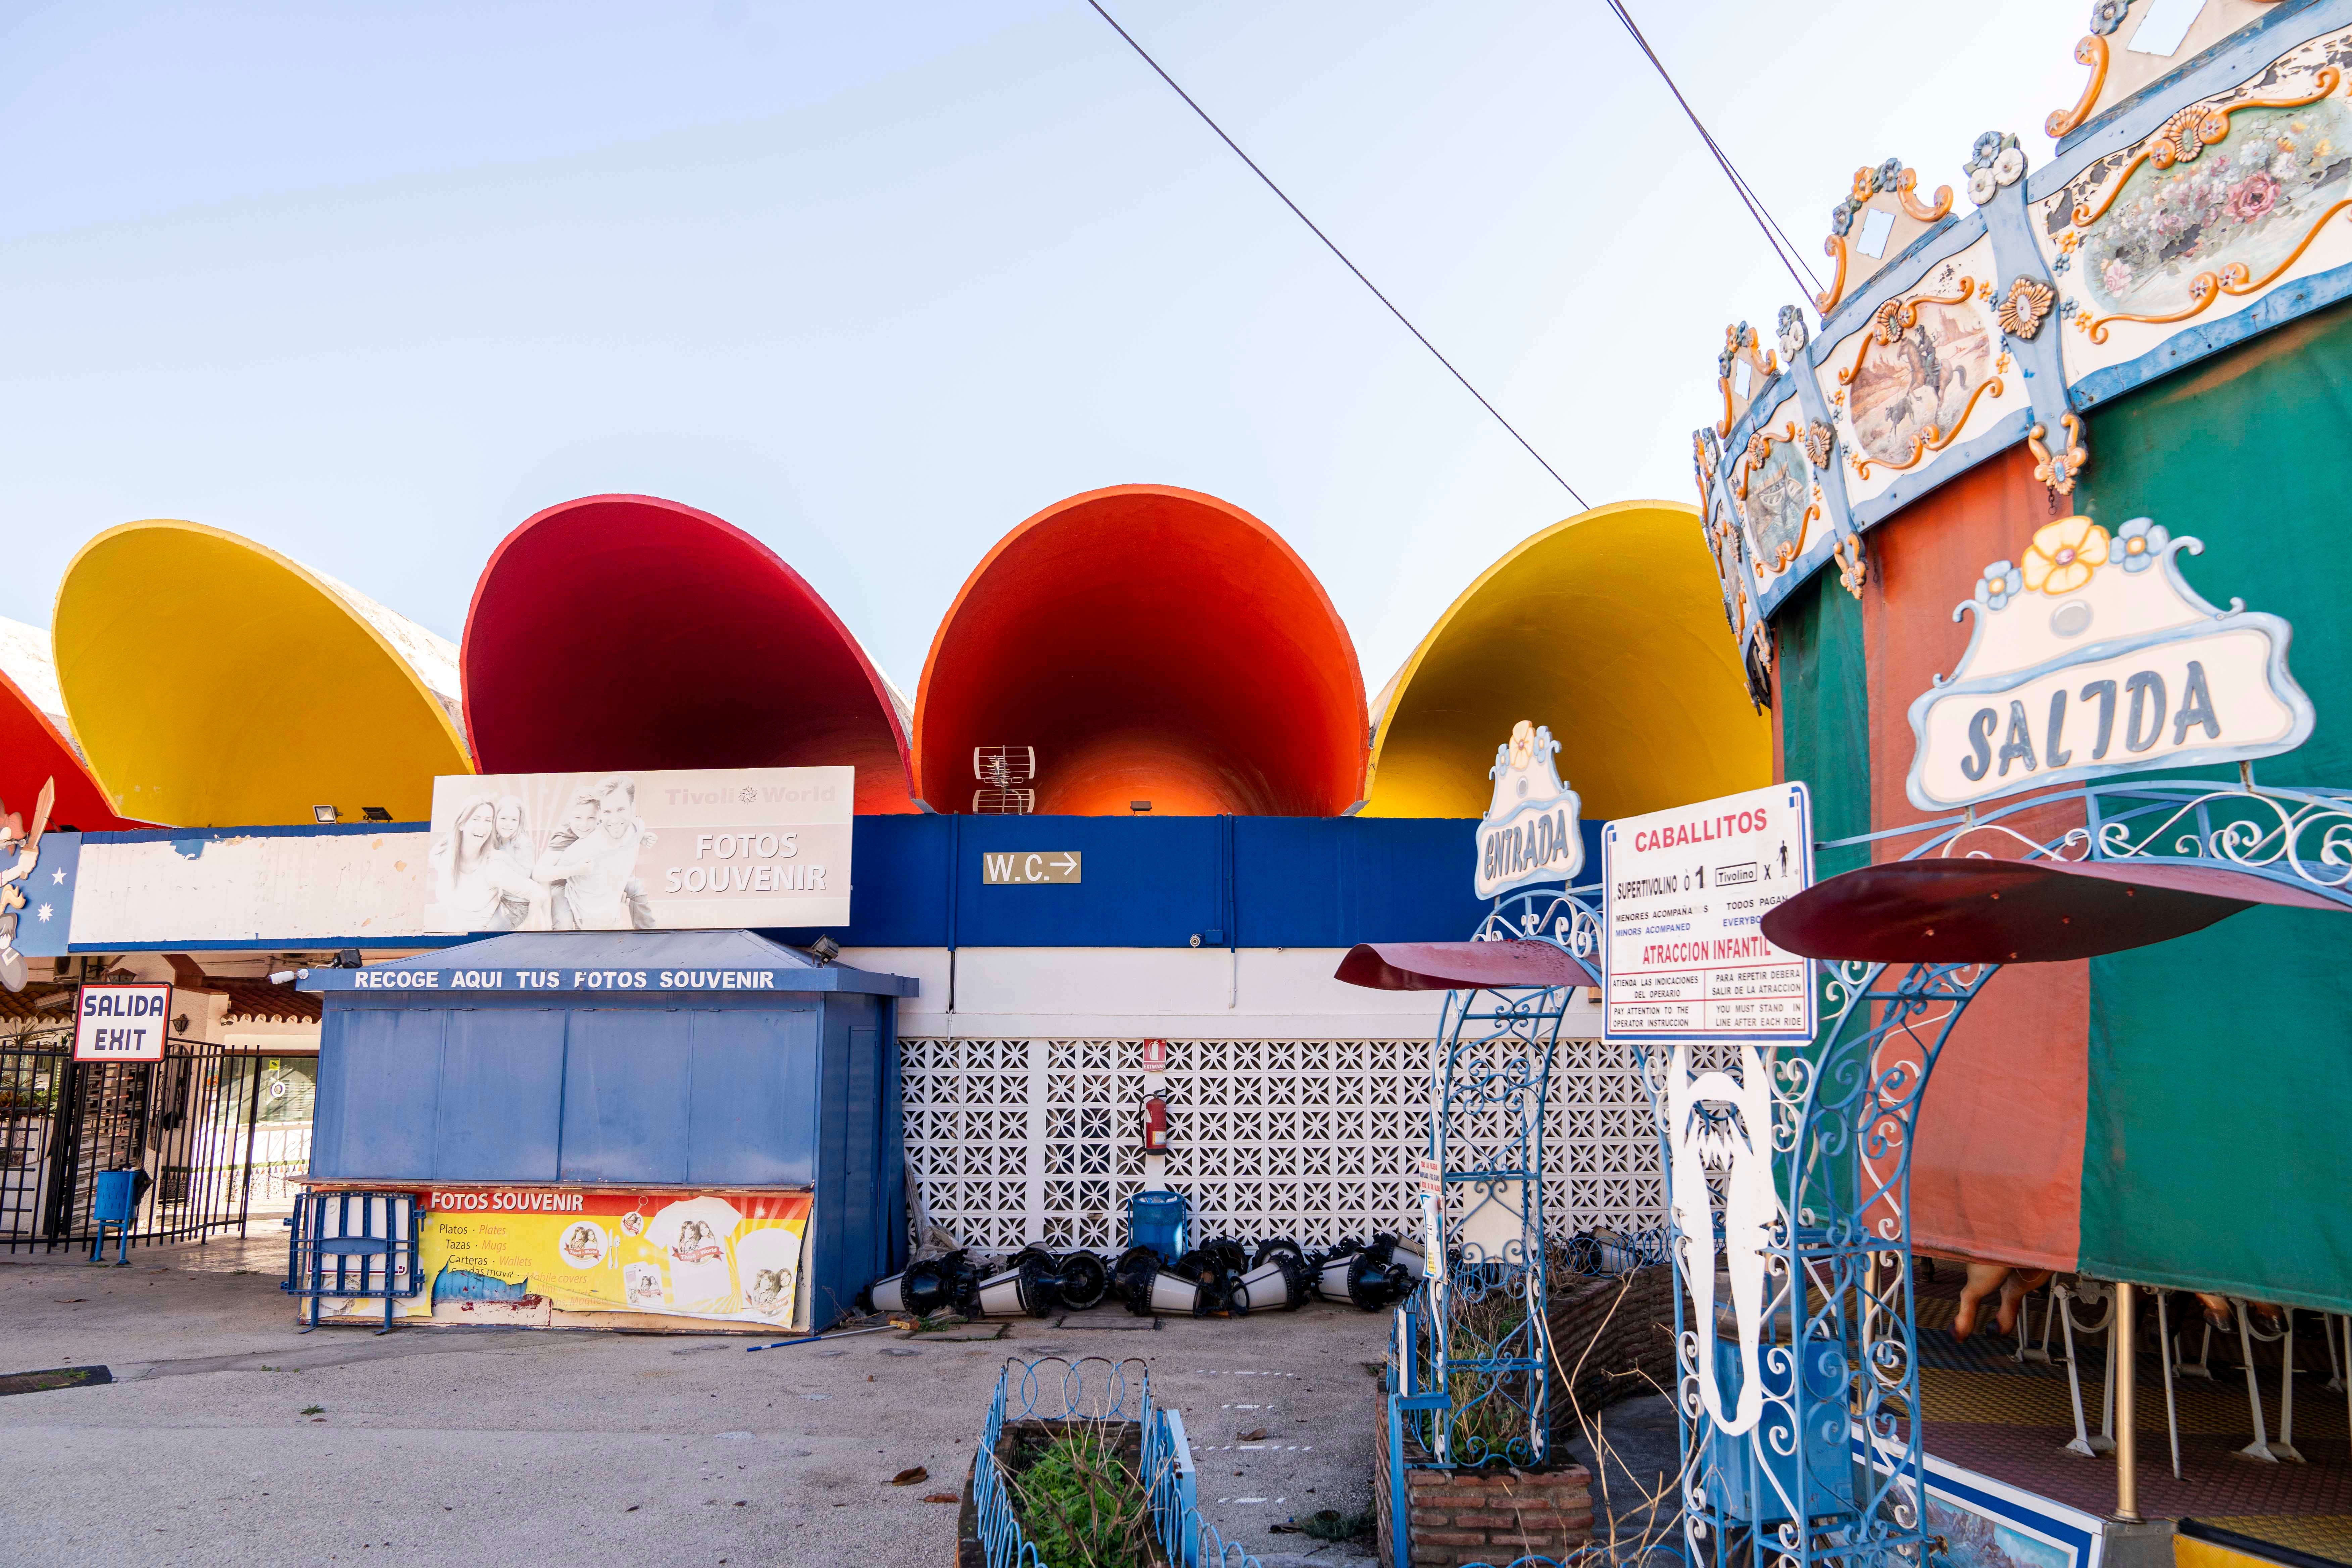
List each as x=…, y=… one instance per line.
x=1928, y=370
x=1783, y=510
x=2161, y=251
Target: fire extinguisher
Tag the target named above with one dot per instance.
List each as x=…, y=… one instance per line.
x=1155, y=1124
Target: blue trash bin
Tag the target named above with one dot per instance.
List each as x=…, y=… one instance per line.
x=115, y=1203
x=1160, y=1221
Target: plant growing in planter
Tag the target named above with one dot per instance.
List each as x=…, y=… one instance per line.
x=1078, y=1468
x=1082, y=1502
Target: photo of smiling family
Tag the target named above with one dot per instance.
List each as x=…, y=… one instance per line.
x=639, y=851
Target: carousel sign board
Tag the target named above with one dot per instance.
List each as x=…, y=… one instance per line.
x=1683, y=895
x=1529, y=834
x=2094, y=657
x=699, y=850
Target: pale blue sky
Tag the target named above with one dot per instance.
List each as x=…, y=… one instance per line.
x=373, y=283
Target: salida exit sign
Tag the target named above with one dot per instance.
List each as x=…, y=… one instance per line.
x=122, y=1023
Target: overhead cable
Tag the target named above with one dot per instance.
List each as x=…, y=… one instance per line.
x=1774, y=236
x=1334, y=249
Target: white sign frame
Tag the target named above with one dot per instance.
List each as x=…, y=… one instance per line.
x=1654, y=873
x=1531, y=832
x=644, y=849
x=104, y=1012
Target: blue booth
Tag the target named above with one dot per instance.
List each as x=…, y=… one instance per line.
x=616, y=1126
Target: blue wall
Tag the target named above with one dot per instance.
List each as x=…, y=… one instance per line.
x=1232, y=881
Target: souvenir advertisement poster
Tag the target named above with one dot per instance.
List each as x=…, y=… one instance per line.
x=735, y=1258
x=707, y=849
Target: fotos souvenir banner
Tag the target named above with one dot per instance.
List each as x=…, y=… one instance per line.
x=735, y=1256
x=705, y=850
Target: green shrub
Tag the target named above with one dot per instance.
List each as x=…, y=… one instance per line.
x=1083, y=1505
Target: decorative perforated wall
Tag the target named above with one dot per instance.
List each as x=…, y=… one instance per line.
x=1012, y=1142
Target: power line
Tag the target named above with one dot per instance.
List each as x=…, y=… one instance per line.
x=1782, y=247
x=1334, y=249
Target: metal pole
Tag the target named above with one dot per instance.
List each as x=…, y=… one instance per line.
x=2127, y=1411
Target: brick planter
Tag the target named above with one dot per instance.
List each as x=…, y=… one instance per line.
x=1616, y=1333
x=1459, y=1517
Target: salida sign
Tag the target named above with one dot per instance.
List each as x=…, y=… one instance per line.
x=2094, y=657
x=122, y=1023
x=1683, y=895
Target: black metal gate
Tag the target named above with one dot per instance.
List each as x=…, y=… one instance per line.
x=187, y=1122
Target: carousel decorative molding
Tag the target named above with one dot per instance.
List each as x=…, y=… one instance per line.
x=1741, y=371
x=1995, y=163
x=2091, y=50
x=2057, y=470
x=2026, y=307
x=1820, y=440
x=1854, y=568
x=1795, y=333
x=1879, y=195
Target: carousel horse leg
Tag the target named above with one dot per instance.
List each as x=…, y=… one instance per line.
x=2017, y=1298
x=2204, y=1365
x=2049, y=1307
x=2082, y=1443
x=2164, y=1353
x=2285, y=1447
x=2260, y=1448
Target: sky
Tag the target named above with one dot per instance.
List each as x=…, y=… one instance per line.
x=371, y=284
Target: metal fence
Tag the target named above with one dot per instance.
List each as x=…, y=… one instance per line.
x=189, y=1121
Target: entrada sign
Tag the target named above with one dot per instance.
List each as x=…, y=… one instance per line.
x=1530, y=832
x=2093, y=657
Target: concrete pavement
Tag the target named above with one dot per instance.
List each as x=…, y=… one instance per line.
x=448, y=1446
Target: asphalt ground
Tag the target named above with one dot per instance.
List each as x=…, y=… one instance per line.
x=228, y=1437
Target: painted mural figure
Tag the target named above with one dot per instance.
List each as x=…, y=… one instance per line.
x=1916, y=388
x=1779, y=497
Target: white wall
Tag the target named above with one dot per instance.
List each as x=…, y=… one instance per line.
x=1087, y=993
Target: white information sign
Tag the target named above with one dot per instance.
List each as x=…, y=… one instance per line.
x=122, y=1023
x=1684, y=894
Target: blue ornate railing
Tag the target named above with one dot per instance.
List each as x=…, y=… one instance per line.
x=1095, y=1389
x=1772, y=1480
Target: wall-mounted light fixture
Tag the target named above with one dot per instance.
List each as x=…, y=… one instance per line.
x=323, y=813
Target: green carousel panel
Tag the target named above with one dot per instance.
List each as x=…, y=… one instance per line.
x=2214, y=1154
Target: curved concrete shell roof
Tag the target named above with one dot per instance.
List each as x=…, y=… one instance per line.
x=631, y=632
x=37, y=742
x=213, y=682
x=1608, y=629
x=1150, y=644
